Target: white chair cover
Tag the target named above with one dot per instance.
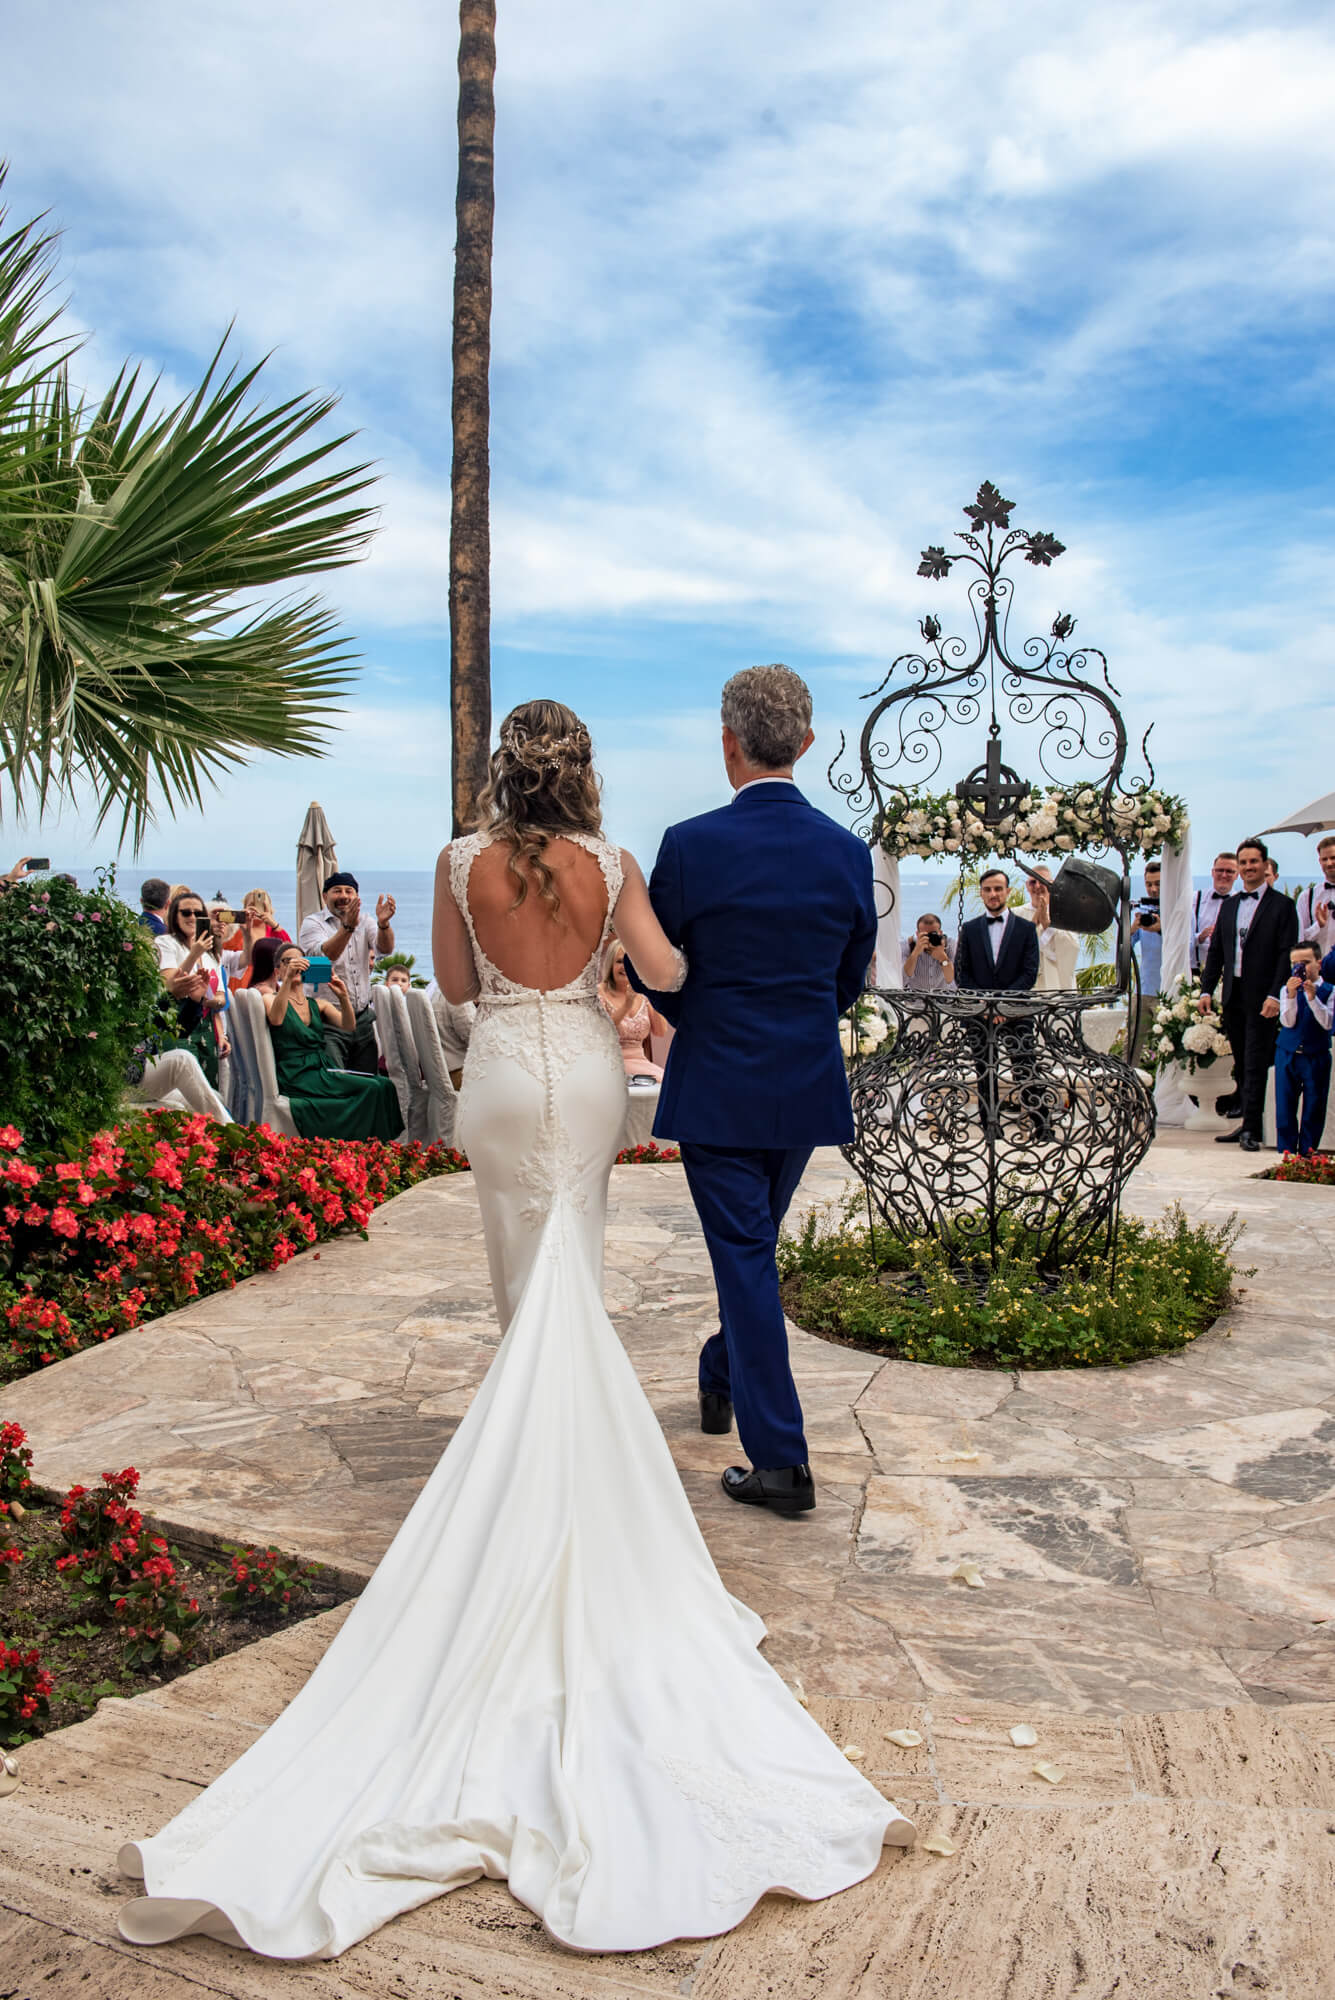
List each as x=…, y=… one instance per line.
x=274, y=1109
x=400, y=1053
x=441, y=1102
x=641, y=1110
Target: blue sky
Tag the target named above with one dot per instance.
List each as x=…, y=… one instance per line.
x=776, y=286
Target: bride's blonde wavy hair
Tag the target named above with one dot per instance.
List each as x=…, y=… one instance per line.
x=542, y=786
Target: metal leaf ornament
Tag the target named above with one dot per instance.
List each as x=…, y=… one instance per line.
x=1041, y=550
x=1063, y=625
x=989, y=510
x=930, y=629
x=935, y=563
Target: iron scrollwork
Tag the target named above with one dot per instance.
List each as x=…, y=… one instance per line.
x=984, y=1104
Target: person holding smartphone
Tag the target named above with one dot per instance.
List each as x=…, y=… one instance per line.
x=326, y=1102
x=1302, y=1053
x=192, y=976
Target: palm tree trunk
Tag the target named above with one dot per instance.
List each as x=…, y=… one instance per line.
x=470, y=474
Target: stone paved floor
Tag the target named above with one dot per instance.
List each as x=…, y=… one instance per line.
x=1159, y=1552
x=1158, y=1537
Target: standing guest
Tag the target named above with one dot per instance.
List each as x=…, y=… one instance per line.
x=154, y=896
x=632, y=1017
x=1147, y=944
x=929, y=958
x=326, y=1102
x=351, y=939
x=1302, y=1054
x=1058, y=951
x=1271, y=872
x=454, y=1024
x=998, y=953
x=257, y=921
x=193, y=977
x=1316, y=905
x=1249, y=951
x=1207, y=903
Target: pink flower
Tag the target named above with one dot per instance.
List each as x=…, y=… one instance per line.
x=10, y=1137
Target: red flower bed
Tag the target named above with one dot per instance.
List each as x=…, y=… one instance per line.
x=647, y=1156
x=165, y=1208
x=1318, y=1169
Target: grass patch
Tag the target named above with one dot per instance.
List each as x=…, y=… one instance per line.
x=938, y=1301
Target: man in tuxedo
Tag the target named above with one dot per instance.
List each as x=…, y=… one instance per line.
x=1250, y=945
x=999, y=953
x=772, y=904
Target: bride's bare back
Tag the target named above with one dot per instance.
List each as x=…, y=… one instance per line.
x=531, y=944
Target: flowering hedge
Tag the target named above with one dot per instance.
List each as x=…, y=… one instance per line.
x=80, y=990
x=165, y=1208
x=1052, y=820
x=1180, y=1033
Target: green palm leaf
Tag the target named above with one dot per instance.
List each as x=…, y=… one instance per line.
x=136, y=657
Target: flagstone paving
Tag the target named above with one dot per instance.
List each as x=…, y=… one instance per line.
x=1158, y=1552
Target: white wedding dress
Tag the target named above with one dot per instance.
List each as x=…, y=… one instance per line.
x=545, y=1680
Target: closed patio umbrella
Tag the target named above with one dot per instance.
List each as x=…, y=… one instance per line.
x=315, y=860
x=1309, y=819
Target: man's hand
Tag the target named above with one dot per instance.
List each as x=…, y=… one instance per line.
x=1205, y=1003
x=1270, y=1011
x=1205, y=933
x=938, y=952
x=384, y=911
x=1322, y=913
x=352, y=914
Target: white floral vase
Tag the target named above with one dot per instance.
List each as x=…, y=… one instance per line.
x=1207, y=1085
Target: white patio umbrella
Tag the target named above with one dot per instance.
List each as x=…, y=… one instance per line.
x=1309, y=819
x=315, y=860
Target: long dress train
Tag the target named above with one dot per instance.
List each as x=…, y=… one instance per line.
x=545, y=1680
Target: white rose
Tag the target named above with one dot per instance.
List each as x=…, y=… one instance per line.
x=1063, y=840
x=952, y=846
x=874, y=1030
x=848, y=1036
x=1222, y=1045
x=1085, y=798
x=1200, y=1039
x=936, y=843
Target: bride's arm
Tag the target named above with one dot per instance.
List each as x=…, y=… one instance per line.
x=451, y=949
x=656, y=966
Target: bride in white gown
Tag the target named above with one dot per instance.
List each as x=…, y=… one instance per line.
x=545, y=1680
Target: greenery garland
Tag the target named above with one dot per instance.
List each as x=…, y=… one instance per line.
x=1054, y=820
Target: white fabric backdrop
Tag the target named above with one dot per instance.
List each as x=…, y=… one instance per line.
x=889, y=954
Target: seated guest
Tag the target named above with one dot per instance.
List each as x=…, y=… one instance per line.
x=632, y=1017
x=352, y=939
x=1316, y=904
x=154, y=896
x=326, y=1102
x=1058, y=951
x=193, y=977
x=454, y=1024
x=258, y=976
x=1302, y=1054
x=929, y=958
x=152, y=1078
x=1206, y=904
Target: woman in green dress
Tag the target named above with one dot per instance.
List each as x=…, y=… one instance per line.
x=326, y=1102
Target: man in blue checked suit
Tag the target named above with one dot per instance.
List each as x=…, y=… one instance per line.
x=772, y=903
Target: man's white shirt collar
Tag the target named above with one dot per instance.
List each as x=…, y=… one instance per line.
x=751, y=784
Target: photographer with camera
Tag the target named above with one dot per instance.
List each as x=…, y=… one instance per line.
x=192, y=976
x=929, y=957
x=352, y=939
x=326, y=1102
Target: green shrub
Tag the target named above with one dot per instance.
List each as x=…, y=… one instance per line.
x=941, y=1301
x=79, y=991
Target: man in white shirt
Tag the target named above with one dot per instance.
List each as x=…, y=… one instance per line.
x=350, y=939
x=1058, y=951
x=1316, y=905
x=1206, y=904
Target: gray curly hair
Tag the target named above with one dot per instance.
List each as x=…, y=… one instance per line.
x=768, y=710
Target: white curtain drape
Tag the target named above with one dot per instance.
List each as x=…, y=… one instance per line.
x=889, y=957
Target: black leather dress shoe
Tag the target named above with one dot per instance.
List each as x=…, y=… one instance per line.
x=715, y=1414
x=1229, y=1138
x=789, y=1490
x=1249, y=1144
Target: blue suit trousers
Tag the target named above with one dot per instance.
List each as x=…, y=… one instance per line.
x=742, y=1197
x=1302, y=1078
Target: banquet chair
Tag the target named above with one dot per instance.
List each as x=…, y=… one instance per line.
x=253, y=1023
x=400, y=1053
x=243, y=1099
x=442, y=1101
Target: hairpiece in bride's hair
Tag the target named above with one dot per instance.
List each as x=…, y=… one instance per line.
x=535, y=752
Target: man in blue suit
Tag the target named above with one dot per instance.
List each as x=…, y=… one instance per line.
x=772, y=904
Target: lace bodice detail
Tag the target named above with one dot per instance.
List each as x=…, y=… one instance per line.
x=492, y=982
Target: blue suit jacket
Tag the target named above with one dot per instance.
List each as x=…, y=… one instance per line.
x=772, y=903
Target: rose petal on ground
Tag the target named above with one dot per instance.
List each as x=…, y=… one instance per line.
x=907, y=1739
x=936, y=1843
x=1024, y=1735
x=1052, y=1773
x=854, y=1752
x=967, y=1573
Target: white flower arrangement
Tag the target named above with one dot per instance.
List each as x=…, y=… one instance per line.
x=1180, y=1033
x=862, y=1030
x=921, y=824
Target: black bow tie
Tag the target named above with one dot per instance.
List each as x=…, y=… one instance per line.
x=996, y=920
x=1249, y=895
